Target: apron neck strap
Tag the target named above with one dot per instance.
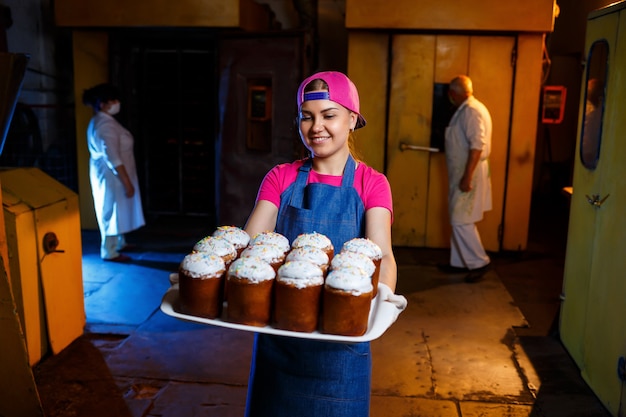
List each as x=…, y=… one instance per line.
x=348, y=172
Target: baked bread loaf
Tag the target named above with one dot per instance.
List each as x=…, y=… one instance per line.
x=317, y=240
x=297, y=292
x=348, y=259
x=218, y=246
x=271, y=238
x=235, y=235
x=371, y=250
x=346, y=302
x=250, y=287
x=272, y=254
x=200, y=281
x=311, y=254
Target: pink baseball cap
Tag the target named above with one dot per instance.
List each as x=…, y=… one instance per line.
x=340, y=90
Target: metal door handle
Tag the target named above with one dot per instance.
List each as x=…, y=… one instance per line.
x=50, y=243
x=595, y=200
x=407, y=147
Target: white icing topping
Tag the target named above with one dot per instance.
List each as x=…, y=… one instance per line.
x=308, y=253
x=235, y=235
x=344, y=259
x=350, y=279
x=253, y=269
x=202, y=265
x=364, y=246
x=269, y=253
x=216, y=245
x=271, y=238
x=315, y=239
x=300, y=274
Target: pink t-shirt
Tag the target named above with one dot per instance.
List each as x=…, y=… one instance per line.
x=372, y=186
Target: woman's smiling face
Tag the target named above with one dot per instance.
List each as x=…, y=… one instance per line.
x=325, y=126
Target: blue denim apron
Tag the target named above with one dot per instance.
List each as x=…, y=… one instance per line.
x=300, y=377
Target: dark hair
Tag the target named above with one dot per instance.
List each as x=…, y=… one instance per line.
x=316, y=84
x=101, y=93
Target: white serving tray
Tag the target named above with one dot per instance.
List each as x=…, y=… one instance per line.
x=382, y=315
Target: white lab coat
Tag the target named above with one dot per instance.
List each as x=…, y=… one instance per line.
x=469, y=128
x=111, y=145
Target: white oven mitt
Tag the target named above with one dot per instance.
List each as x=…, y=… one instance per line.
x=385, y=294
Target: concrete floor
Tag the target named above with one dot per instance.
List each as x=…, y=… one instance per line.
x=489, y=348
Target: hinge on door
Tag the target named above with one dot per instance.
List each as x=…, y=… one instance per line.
x=514, y=55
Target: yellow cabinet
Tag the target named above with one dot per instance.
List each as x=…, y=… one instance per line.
x=42, y=223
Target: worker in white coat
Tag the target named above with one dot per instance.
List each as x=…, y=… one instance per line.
x=467, y=147
x=112, y=172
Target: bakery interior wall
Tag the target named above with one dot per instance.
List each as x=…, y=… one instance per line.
x=51, y=96
x=45, y=133
x=556, y=143
x=187, y=74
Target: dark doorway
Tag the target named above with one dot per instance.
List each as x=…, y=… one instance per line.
x=168, y=81
x=442, y=113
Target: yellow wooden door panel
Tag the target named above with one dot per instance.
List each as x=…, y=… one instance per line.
x=492, y=75
x=438, y=228
x=367, y=68
x=410, y=106
x=582, y=223
x=61, y=273
x=605, y=330
x=419, y=179
x=487, y=60
x=451, y=59
x=521, y=153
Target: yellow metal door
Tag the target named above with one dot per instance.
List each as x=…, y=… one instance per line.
x=418, y=177
x=582, y=223
x=593, y=324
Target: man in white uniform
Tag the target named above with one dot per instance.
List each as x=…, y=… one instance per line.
x=467, y=147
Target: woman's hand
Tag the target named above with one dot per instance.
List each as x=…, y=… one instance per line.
x=130, y=190
x=122, y=174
